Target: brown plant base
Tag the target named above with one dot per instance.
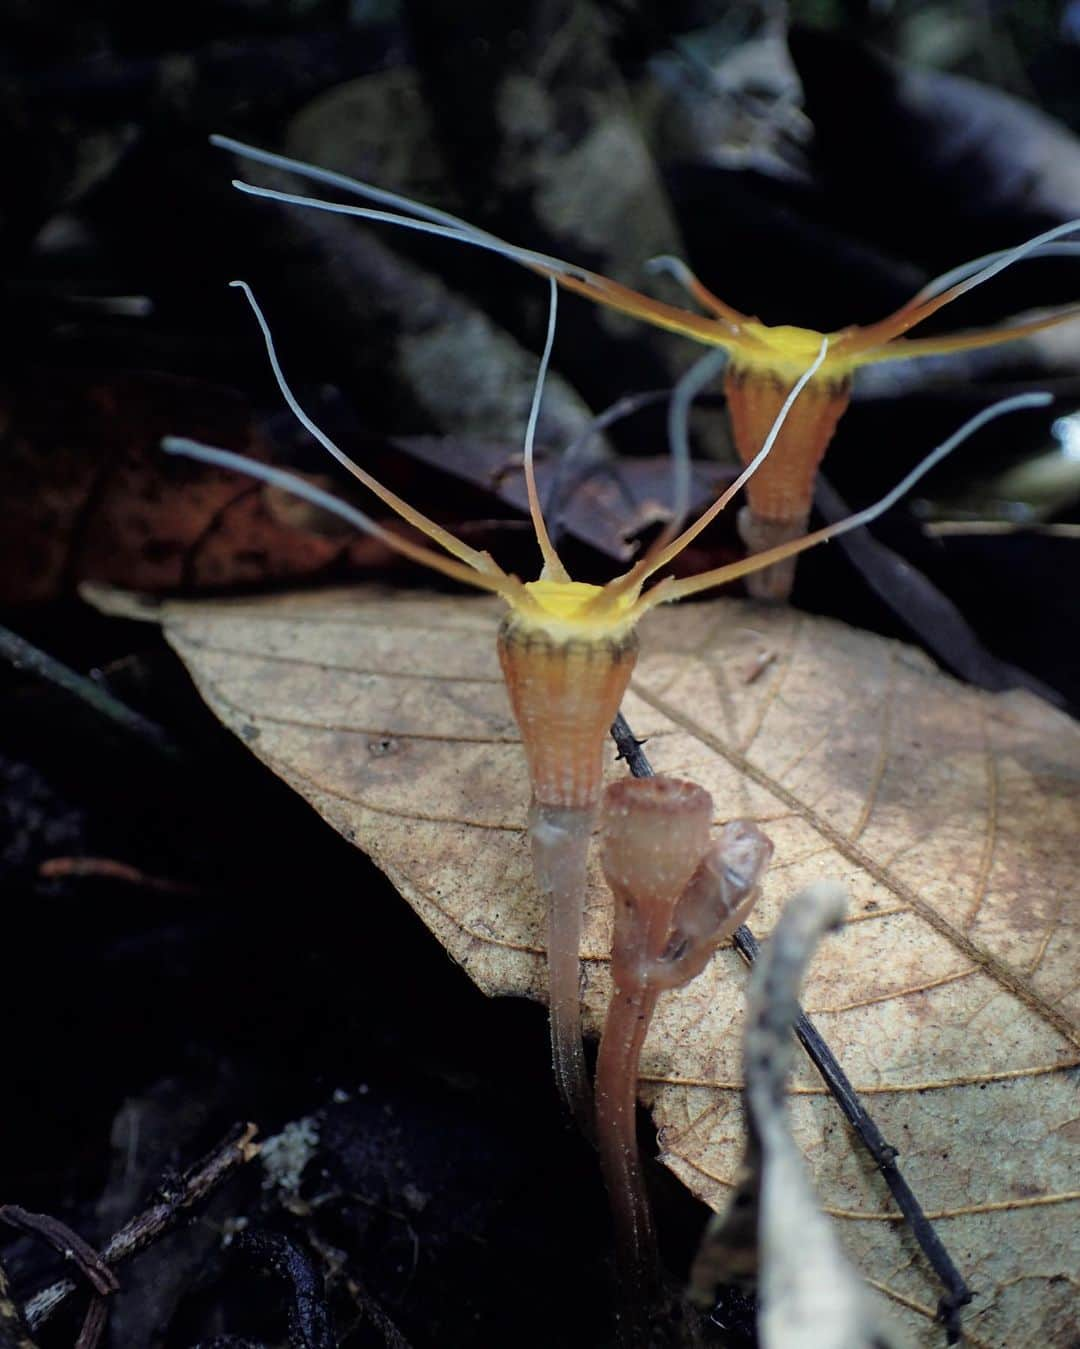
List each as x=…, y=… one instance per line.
x=774, y=583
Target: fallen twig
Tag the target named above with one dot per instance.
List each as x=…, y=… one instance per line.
x=196, y=1183
x=372, y=1313
x=23, y=655
x=67, y=1242
x=71, y=1246
x=93, y=1323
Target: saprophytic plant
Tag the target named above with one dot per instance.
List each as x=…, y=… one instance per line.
x=763, y=361
x=676, y=899
x=567, y=647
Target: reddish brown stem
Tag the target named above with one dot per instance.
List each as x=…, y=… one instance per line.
x=625, y=1029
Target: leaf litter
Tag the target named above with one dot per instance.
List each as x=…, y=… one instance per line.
x=950, y=814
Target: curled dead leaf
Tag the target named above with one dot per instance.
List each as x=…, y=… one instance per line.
x=950, y=815
x=86, y=495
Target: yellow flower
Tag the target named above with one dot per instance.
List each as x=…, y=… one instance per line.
x=763, y=362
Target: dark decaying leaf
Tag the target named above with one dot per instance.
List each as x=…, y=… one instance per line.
x=610, y=504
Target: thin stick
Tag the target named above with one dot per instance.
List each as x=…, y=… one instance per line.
x=23, y=655
x=13, y=1332
x=195, y=1184
x=65, y=1241
x=957, y=1294
x=93, y=1326
x=108, y=868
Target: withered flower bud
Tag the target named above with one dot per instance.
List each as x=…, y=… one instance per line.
x=676, y=898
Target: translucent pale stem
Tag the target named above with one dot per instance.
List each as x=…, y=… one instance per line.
x=560, y=846
x=564, y=693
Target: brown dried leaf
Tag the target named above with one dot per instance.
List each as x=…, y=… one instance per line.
x=951, y=995
x=606, y=507
x=87, y=495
